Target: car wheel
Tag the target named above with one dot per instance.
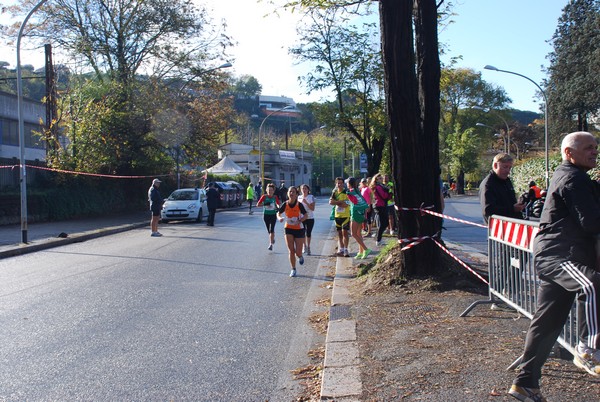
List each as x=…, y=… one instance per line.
x=199, y=218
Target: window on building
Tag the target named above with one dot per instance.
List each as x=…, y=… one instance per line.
x=9, y=134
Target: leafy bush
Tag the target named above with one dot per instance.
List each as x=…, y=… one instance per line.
x=535, y=169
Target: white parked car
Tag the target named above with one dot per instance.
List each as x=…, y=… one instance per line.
x=185, y=204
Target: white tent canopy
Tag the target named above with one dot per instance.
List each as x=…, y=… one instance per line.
x=225, y=166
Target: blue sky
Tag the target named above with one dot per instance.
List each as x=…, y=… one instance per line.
x=509, y=34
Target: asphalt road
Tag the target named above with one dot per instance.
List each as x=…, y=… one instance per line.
x=466, y=208
x=202, y=313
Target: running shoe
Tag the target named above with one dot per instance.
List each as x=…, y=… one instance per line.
x=366, y=253
x=340, y=253
x=301, y=260
x=270, y=247
x=359, y=256
x=526, y=394
x=587, y=359
x=156, y=234
x=293, y=273
x=346, y=254
x=308, y=251
x=378, y=243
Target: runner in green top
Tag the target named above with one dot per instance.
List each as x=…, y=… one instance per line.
x=270, y=203
x=358, y=209
x=340, y=201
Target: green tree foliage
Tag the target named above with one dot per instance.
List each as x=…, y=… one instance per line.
x=118, y=39
x=34, y=85
x=573, y=88
x=114, y=118
x=462, y=153
x=246, y=86
x=464, y=100
x=463, y=88
x=347, y=59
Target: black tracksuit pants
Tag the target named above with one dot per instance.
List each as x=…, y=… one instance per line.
x=557, y=291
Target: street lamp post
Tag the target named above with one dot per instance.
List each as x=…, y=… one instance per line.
x=507, y=140
x=503, y=138
x=22, y=170
x=546, y=142
x=260, y=152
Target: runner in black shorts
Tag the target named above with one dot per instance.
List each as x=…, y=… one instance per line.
x=270, y=202
x=294, y=214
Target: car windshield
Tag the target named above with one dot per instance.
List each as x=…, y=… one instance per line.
x=188, y=195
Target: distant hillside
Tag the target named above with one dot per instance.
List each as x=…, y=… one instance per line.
x=524, y=117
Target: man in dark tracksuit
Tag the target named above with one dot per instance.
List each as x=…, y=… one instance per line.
x=496, y=192
x=565, y=261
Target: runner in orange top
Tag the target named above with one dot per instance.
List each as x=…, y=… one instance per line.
x=294, y=214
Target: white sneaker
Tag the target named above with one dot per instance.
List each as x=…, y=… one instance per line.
x=587, y=359
x=377, y=243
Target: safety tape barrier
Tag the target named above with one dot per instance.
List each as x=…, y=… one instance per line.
x=413, y=241
x=427, y=210
x=454, y=219
x=82, y=173
x=471, y=270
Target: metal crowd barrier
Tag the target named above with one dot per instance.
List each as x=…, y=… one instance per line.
x=512, y=277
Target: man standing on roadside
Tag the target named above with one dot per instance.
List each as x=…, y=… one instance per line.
x=212, y=201
x=156, y=202
x=282, y=192
x=565, y=261
x=496, y=191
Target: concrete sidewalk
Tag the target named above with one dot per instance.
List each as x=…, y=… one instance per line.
x=341, y=368
x=45, y=235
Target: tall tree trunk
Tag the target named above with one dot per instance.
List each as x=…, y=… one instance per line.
x=429, y=73
x=413, y=113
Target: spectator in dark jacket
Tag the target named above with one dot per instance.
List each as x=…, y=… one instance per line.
x=282, y=192
x=156, y=202
x=565, y=261
x=212, y=202
x=496, y=191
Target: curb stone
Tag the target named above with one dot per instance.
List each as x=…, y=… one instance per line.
x=45, y=244
x=341, y=368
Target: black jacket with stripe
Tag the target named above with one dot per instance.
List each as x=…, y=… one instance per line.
x=570, y=220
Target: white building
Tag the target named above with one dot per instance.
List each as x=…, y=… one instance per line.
x=34, y=116
x=293, y=167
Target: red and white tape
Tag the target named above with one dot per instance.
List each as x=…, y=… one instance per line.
x=453, y=219
x=80, y=173
x=461, y=263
